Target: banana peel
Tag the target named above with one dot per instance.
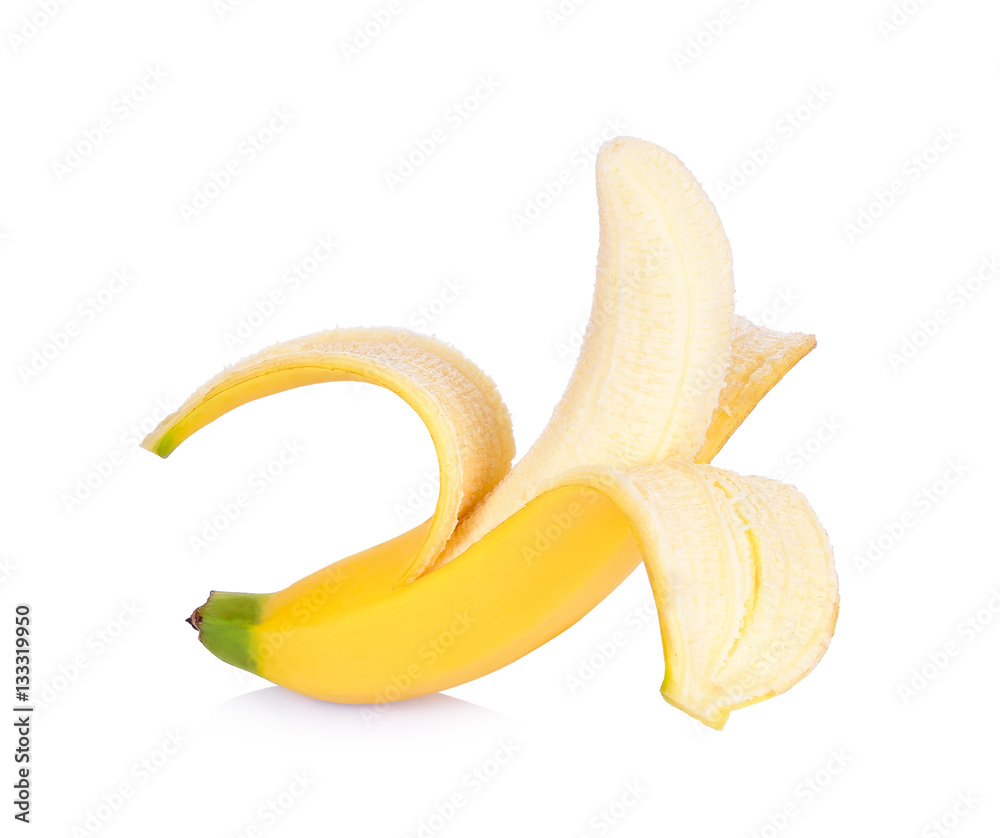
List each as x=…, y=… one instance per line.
x=741, y=569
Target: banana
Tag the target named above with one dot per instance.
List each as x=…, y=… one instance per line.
x=741, y=569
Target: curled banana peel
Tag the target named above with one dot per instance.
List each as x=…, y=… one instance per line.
x=741, y=569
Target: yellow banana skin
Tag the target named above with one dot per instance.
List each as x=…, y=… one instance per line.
x=349, y=634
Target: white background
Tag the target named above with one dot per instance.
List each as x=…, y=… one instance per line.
x=893, y=429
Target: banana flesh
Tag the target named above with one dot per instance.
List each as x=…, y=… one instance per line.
x=656, y=348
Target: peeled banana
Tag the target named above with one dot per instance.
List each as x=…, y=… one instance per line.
x=741, y=569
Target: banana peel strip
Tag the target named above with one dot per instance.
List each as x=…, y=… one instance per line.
x=742, y=574
x=468, y=422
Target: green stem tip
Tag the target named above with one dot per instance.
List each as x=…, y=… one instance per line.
x=224, y=624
